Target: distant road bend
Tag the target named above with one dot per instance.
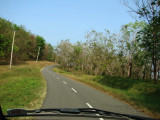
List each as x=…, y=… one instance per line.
x=63, y=92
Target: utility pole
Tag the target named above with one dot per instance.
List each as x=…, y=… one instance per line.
x=38, y=55
x=12, y=49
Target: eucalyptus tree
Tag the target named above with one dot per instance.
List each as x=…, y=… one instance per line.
x=77, y=57
x=149, y=10
x=94, y=41
x=101, y=46
x=64, y=53
x=129, y=47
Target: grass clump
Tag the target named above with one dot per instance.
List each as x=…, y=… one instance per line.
x=142, y=94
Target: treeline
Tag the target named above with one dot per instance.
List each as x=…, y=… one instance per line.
x=134, y=52
x=26, y=44
x=105, y=53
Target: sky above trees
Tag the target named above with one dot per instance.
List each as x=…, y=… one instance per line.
x=58, y=20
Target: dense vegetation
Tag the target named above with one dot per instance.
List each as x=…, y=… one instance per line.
x=26, y=44
x=134, y=52
x=109, y=54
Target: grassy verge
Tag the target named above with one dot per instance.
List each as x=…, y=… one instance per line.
x=23, y=86
x=141, y=94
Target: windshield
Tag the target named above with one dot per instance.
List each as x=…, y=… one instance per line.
x=80, y=59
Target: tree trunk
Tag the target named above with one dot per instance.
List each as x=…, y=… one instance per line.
x=82, y=66
x=154, y=56
x=155, y=73
x=155, y=69
x=151, y=71
x=158, y=73
x=130, y=70
x=122, y=67
x=144, y=72
x=123, y=71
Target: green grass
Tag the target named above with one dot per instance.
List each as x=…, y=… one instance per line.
x=22, y=87
x=141, y=94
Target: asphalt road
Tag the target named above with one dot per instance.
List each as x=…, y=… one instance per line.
x=62, y=92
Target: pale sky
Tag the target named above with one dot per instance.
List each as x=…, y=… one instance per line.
x=57, y=20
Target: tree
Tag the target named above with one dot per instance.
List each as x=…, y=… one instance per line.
x=77, y=58
x=5, y=39
x=102, y=52
x=40, y=45
x=149, y=10
x=31, y=47
x=151, y=42
x=129, y=47
x=48, y=52
x=26, y=44
x=21, y=39
x=64, y=53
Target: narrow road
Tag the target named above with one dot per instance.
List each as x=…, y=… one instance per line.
x=63, y=92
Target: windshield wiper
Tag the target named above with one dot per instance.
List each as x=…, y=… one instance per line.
x=72, y=112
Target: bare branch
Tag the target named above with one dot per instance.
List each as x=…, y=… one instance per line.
x=129, y=7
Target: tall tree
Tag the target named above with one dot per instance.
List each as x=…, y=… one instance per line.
x=149, y=10
x=130, y=45
x=64, y=53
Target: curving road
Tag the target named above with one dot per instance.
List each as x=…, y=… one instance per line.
x=63, y=92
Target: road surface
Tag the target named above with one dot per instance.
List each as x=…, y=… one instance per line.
x=62, y=92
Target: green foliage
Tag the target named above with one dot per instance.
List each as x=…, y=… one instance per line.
x=130, y=51
x=40, y=45
x=15, y=49
x=26, y=44
x=148, y=42
x=40, y=42
x=149, y=36
x=5, y=38
x=15, y=27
